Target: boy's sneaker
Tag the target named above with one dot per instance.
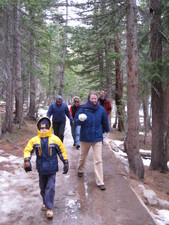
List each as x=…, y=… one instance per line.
x=74, y=144
x=49, y=213
x=43, y=208
x=77, y=147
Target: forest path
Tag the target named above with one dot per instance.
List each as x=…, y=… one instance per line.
x=78, y=201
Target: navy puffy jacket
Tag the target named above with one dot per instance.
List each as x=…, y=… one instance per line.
x=92, y=127
x=59, y=112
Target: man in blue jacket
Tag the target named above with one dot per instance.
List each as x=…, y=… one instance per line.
x=93, y=119
x=59, y=110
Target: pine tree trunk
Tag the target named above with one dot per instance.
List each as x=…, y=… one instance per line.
x=145, y=102
x=108, y=73
x=119, y=87
x=50, y=77
x=132, y=136
x=158, y=153
x=32, y=109
x=17, y=66
x=99, y=51
x=64, y=54
x=166, y=103
x=166, y=126
x=8, y=120
x=0, y=125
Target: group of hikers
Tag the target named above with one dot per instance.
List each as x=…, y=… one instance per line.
x=88, y=123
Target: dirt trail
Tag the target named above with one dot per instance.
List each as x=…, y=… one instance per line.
x=77, y=200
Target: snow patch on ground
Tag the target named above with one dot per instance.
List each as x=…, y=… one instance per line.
x=12, y=198
x=162, y=217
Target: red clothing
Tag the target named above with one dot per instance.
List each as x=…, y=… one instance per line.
x=73, y=110
x=106, y=104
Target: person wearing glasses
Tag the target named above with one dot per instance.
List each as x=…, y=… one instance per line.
x=47, y=147
x=75, y=129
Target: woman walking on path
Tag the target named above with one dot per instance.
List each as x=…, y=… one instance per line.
x=93, y=119
x=75, y=129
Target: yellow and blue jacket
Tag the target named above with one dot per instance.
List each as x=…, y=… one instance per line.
x=47, y=147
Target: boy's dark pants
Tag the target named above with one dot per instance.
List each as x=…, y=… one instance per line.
x=47, y=189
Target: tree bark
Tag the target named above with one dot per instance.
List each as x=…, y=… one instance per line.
x=145, y=102
x=108, y=73
x=64, y=54
x=166, y=103
x=119, y=87
x=50, y=76
x=8, y=120
x=158, y=152
x=17, y=66
x=132, y=136
x=32, y=109
x=0, y=125
x=166, y=126
x=100, y=50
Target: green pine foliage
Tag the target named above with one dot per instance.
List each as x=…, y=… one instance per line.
x=90, y=45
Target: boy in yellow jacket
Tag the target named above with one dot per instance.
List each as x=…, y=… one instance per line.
x=46, y=146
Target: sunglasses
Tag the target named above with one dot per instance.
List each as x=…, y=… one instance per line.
x=76, y=101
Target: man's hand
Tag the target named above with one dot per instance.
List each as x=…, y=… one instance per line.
x=82, y=117
x=66, y=167
x=71, y=123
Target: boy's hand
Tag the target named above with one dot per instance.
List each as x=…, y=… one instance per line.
x=66, y=167
x=27, y=165
x=28, y=169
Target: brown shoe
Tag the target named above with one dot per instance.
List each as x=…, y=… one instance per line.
x=43, y=208
x=101, y=187
x=49, y=213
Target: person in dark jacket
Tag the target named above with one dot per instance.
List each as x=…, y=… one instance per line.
x=93, y=118
x=105, y=102
x=75, y=129
x=59, y=110
x=46, y=146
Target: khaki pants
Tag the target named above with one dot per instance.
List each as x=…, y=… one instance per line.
x=97, y=159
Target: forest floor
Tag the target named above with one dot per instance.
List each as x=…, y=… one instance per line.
x=154, y=180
